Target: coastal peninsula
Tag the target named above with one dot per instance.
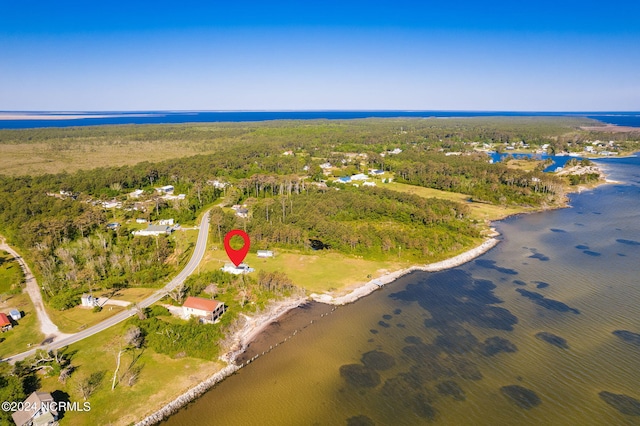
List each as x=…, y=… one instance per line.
x=344, y=206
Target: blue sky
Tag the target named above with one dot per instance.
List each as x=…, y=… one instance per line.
x=274, y=55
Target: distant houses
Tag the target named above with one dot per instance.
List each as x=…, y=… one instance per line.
x=206, y=310
x=38, y=410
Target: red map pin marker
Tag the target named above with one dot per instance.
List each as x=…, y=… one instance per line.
x=236, y=256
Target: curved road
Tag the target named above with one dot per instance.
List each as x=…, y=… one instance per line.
x=198, y=253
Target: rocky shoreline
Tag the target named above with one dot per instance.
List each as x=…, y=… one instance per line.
x=255, y=325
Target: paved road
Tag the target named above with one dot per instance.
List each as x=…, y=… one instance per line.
x=198, y=253
x=47, y=326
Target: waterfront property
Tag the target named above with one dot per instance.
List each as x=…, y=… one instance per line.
x=5, y=323
x=242, y=268
x=37, y=409
x=265, y=253
x=207, y=310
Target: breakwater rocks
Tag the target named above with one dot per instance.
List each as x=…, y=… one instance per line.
x=188, y=396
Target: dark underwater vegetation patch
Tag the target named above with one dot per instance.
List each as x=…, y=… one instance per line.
x=541, y=257
x=541, y=284
x=422, y=407
x=521, y=396
x=623, y=403
x=519, y=282
x=540, y=300
x=621, y=254
x=452, y=389
x=579, y=224
x=373, y=331
x=360, y=420
x=494, y=345
x=592, y=253
x=456, y=340
x=582, y=247
x=387, y=317
x=378, y=360
x=628, y=336
x=466, y=368
x=430, y=370
x=491, y=264
x=596, y=212
x=405, y=391
x=454, y=297
x=383, y=324
x=628, y=242
x=397, y=311
x=414, y=340
x=360, y=376
x=400, y=325
x=553, y=339
x=558, y=230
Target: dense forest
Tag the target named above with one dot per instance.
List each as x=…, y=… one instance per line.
x=60, y=220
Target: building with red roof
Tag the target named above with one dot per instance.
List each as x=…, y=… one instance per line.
x=5, y=323
x=207, y=310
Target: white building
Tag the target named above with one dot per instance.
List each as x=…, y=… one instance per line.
x=265, y=253
x=167, y=189
x=242, y=268
x=166, y=222
x=207, y=310
x=153, y=230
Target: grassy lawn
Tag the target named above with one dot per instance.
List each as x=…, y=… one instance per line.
x=27, y=329
x=161, y=380
x=78, y=318
x=317, y=272
x=479, y=211
x=11, y=275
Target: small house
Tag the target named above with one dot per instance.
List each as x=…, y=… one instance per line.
x=136, y=194
x=113, y=226
x=153, y=230
x=207, y=310
x=359, y=176
x=265, y=253
x=38, y=409
x=242, y=268
x=369, y=184
x=165, y=222
x=15, y=314
x=141, y=220
x=5, y=323
x=167, y=189
x=242, y=212
x=88, y=300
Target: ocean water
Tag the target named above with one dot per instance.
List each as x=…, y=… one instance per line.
x=522, y=335
x=167, y=117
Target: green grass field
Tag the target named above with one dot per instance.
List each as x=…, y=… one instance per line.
x=161, y=380
x=479, y=211
x=11, y=275
x=26, y=332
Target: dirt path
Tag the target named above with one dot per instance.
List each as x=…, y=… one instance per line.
x=48, y=328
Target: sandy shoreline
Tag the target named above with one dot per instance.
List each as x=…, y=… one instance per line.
x=253, y=326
